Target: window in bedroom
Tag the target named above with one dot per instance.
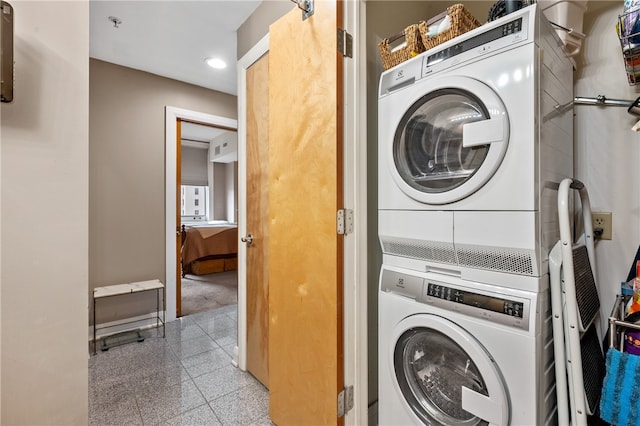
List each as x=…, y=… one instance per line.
x=194, y=203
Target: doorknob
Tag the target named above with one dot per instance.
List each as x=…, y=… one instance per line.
x=248, y=239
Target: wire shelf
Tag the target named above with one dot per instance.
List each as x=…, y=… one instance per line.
x=628, y=29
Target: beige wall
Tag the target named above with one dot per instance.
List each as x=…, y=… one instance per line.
x=257, y=25
x=127, y=179
x=44, y=218
x=219, y=191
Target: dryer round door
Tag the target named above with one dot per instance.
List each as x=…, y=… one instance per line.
x=450, y=141
x=445, y=375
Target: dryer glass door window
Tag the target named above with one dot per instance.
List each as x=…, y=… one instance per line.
x=449, y=142
x=431, y=369
x=428, y=147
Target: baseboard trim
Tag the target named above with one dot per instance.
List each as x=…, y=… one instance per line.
x=234, y=361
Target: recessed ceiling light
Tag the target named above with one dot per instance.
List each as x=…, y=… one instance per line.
x=216, y=63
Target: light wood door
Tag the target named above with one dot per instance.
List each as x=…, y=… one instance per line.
x=178, y=218
x=305, y=192
x=257, y=142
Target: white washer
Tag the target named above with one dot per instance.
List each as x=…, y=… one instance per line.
x=472, y=147
x=454, y=352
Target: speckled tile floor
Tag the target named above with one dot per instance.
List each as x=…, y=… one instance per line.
x=184, y=379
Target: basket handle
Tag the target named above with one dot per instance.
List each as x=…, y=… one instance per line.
x=438, y=17
x=431, y=20
x=395, y=37
x=424, y=25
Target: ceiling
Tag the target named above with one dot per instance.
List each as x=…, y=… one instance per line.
x=198, y=132
x=171, y=38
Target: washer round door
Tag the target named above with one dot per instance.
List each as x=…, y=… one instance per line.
x=445, y=375
x=450, y=141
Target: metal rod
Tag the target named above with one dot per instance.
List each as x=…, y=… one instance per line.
x=306, y=6
x=626, y=324
x=602, y=100
x=568, y=30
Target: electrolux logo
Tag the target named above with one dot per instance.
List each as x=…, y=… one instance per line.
x=400, y=75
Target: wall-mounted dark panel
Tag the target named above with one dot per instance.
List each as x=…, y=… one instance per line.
x=6, y=52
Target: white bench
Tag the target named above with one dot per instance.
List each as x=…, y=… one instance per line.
x=129, y=288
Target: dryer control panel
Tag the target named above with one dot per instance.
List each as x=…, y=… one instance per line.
x=507, y=32
x=497, y=36
x=510, y=28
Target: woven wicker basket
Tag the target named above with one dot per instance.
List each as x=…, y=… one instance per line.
x=413, y=46
x=461, y=22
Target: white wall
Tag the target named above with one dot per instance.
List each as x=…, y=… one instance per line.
x=607, y=151
x=224, y=147
x=44, y=218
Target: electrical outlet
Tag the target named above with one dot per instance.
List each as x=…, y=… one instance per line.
x=603, y=221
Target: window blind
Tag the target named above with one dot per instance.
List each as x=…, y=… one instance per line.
x=194, y=166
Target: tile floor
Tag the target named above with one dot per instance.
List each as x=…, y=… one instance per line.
x=184, y=379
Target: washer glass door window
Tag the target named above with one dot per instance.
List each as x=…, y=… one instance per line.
x=431, y=370
x=450, y=141
x=447, y=383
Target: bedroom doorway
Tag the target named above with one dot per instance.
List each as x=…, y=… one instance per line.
x=206, y=202
x=175, y=118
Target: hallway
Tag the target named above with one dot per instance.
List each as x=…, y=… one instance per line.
x=185, y=379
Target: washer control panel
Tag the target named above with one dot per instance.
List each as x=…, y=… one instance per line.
x=482, y=301
x=460, y=296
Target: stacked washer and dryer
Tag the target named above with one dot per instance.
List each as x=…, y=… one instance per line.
x=473, y=142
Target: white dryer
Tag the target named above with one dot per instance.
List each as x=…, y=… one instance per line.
x=472, y=147
x=455, y=353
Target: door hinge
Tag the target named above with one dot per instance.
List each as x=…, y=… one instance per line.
x=345, y=43
x=345, y=401
x=345, y=221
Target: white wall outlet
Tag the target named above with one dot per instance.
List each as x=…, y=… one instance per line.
x=602, y=220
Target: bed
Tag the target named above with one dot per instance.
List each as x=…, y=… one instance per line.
x=209, y=248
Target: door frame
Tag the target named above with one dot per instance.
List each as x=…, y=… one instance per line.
x=356, y=343
x=255, y=53
x=172, y=114
x=355, y=197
